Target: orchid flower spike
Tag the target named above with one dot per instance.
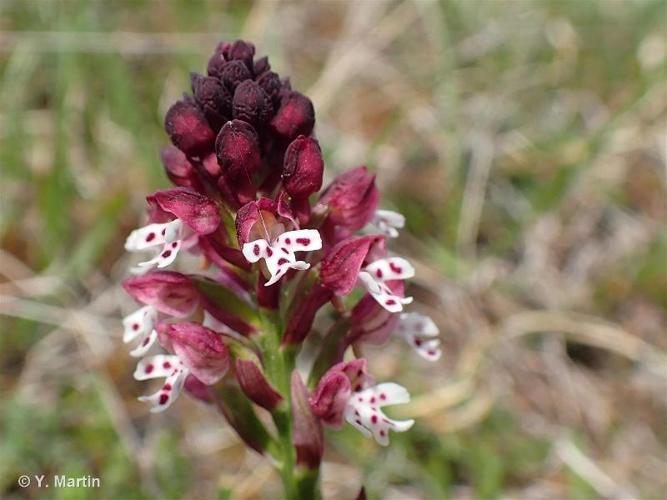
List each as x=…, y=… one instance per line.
x=388, y=222
x=279, y=253
x=140, y=325
x=421, y=333
x=375, y=275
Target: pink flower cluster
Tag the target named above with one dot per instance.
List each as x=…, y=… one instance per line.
x=247, y=169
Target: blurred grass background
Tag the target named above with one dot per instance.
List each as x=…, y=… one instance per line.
x=526, y=143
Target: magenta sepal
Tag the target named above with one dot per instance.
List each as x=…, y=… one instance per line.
x=200, y=349
x=169, y=292
x=341, y=265
x=335, y=388
x=197, y=211
x=255, y=386
x=295, y=116
x=307, y=434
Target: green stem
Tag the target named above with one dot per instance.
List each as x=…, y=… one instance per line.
x=279, y=362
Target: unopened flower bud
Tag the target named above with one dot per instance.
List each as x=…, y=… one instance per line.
x=262, y=65
x=251, y=104
x=351, y=198
x=303, y=168
x=213, y=98
x=241, y=51
x=255, y=386
x=188, y=128
x=271, y=84
x=237, y=149
x=179, y=170
x=295, y=116
x=233, y=73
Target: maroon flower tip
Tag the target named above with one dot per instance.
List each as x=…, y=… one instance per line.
x=234, y=72
x=213, y=98
x=194, y=209
x=340, y=267
x=271, y=84
x=262, y=65
x=251, y=104
x=237, y=150
x=303, y=167
x=352, y=198
x=254, y=384
x=240, y=51
x=188, y=128
x=295, y=116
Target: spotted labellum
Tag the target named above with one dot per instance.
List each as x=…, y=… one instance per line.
x=275, y=258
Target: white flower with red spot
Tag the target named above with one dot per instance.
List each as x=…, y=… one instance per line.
x=169, y=367
x=388, y=222
x=169, y=238
x=363, y=411
x=140, y=325
x=375, y=275
x=279, y=253
x=421, y=333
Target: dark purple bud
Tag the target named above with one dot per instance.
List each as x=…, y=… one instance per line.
x=233, y=73
x=201, y=349
x=213, y=99
x=169, y=292
x=197, y=211
x=341, y=265
x=306, y=431
x=271, y=84
x=217, y=61
x=303, y=168
x=255, y=386
x=179, y=170
x=197, y=389
x=241, y=51
x=295, y=116
x=251, y=104
x=262, y=65
x=237, y=149
x=351, y=198
x=188, y=128
x=301, y=321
